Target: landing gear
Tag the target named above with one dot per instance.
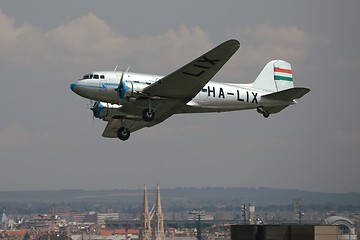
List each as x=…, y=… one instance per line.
x=123, y=133
x=266, y=114
x=262, y=111
x=148, y=115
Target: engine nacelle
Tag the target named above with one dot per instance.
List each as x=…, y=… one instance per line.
x=131, y=89
x=105, y=111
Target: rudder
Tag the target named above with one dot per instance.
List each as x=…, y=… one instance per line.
x=276, y=76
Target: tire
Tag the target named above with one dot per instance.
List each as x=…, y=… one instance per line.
x=148, y=115
x=123, y=133
x=261, y=110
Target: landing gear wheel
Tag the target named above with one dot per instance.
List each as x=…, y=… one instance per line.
x=261, y=110
x=266, y=114
x=123, y=133
x=148, y=115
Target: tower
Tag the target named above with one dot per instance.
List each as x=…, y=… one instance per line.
x=145, y=232
x=158, y=231
x=251, y=213
x=296, y=208
x=4, y=220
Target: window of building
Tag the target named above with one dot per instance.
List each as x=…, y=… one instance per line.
x=344, y=230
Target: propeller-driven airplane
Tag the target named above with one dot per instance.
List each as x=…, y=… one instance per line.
x=130, y=101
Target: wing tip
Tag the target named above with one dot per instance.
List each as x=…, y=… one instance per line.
x=233, y=42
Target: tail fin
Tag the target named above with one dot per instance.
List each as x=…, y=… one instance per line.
x=276, y=76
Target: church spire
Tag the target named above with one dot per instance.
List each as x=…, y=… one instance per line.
x=145, y=232
x=159, y=233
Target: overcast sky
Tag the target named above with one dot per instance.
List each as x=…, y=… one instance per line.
x=49, y=141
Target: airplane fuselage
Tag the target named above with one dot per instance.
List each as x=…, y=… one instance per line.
x=214, y=96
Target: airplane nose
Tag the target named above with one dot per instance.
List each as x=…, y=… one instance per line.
x=73, y=85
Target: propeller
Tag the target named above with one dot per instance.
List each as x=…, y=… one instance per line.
x=100, y=110
x=93, y=108
x=120, y=86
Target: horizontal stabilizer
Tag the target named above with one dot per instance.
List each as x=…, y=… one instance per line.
x=288, y=94
x=276, y=109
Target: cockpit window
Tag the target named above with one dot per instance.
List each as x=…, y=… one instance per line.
x=86, y=76
x=93, y=76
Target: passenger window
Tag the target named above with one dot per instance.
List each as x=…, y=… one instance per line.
x=96, y=76
x=102, y=76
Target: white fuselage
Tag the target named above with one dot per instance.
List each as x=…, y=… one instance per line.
x=214, y=97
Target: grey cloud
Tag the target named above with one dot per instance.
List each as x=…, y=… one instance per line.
x=47, y=138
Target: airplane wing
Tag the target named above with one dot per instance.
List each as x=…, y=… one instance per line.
x=187, y=81
x=114, y=124
x=166, y=108
x=177, y=88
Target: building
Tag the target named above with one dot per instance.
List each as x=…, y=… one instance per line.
x=16, y=234
x=195, y=215
x=346, y=227
x=156, y=232
x=252, y=219
x=101, y=217
x=54, y=236
x=158, y=229
x=284, y=232
x=296, y=202
x=145, y=230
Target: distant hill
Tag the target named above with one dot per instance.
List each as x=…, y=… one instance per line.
x=260, y=196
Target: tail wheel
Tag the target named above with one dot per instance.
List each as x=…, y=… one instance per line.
x=262, y=111
x=148, y=115
x=123, y=133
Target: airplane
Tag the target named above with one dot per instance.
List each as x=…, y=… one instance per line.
x=130, y=101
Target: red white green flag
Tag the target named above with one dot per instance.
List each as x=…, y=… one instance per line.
x=282, y=74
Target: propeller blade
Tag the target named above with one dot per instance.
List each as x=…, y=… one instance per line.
x=120, y=86
x=93, y=108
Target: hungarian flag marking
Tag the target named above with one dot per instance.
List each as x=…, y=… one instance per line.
x=282, y=74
